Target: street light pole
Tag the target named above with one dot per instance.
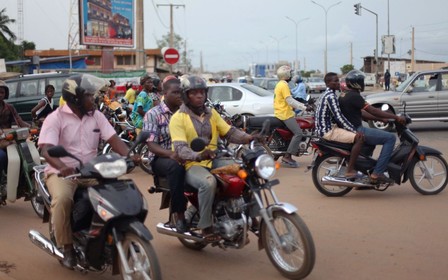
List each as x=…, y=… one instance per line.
x=297, y=44
x=326, y=14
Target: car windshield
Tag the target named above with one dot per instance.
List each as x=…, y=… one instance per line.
x=404, y=84
x=257, y=90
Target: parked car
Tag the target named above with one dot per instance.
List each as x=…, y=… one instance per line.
x=315, y=85
x=257, y=81
x=26, y=91
x=370, y=79
x=242, y=99
x=269, y=83
x=424, y=94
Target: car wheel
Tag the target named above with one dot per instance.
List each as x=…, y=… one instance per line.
x=381, y=125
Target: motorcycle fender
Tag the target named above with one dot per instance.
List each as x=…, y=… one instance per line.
x=424, y=150
x=134, y=226
x=282, y=206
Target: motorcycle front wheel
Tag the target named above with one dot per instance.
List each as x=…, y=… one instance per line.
x=296, y=256
x=141, y=257
x=329, y=165
x=429, y=176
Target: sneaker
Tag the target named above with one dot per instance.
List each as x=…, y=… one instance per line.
x=290, y=163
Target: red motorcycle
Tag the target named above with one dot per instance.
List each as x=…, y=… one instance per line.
x=280, y=136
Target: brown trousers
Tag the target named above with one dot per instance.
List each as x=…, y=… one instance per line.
x=62, y=192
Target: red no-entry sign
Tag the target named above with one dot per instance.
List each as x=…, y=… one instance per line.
x=171, y=56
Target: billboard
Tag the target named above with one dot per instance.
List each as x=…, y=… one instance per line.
x=107, y=22
x=388, y=44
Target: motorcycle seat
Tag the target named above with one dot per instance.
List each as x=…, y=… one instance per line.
x=257, y=122
x=366, y=150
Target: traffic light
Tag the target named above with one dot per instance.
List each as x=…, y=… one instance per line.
x=357, y=9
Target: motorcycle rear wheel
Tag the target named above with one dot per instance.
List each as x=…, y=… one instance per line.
x=37, y=201
x=142, y=150
x=296, y=259
x=430, y=176
x=140, y=254
x=192, y=217
x=329, y=165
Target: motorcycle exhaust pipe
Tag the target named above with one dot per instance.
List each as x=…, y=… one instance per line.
x=343, y=182
x=163, y=229
x=42, y=242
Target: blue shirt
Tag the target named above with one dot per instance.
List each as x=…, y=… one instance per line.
x=299, y=91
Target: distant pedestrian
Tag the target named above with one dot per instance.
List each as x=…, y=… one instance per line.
x=44, y=107
x=387, y=79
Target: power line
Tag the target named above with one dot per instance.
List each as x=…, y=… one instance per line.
x=158, y=15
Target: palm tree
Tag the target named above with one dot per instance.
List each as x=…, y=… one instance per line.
x=4, y=29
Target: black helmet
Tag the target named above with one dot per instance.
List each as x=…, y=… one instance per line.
x=355, y=80
x=3, y=85
x=75, y=87
x=188, y=83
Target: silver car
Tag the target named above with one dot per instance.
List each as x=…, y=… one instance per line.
x=424, y=95
x=242, y=99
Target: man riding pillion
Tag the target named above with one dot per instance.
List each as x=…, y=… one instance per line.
x=78, y=127
x=356, y=109
x=284, y=105
x=164, y=161
x=192, y=120
x=333, y=126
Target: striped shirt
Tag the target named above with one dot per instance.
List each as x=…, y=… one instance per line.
x=156, y=121
x=329, y=113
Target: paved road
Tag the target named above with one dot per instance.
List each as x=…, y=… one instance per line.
x=397, y=234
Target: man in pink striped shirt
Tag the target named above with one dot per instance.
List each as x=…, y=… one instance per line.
x=78, y=127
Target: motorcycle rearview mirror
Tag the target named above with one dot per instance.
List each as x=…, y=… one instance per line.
x=59, y=152
x=198, y=144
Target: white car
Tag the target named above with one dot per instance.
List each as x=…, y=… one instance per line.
x=244, y=99
x=315, y=85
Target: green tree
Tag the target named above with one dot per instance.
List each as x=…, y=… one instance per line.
x=184, y=64
x=5, y=33
x=347, y=68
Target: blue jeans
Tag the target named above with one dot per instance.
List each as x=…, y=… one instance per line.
x=374, y=136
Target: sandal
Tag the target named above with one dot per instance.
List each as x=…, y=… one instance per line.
x=356, y=175
x=210, y=236
x=381, y=179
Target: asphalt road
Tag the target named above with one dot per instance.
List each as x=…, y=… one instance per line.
x=396, y=234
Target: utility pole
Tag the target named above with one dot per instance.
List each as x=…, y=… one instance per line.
x=140, y=60
x=413, y=50
x=388, y=34
x=351, y=53
x=171, y=20
x=358, y=8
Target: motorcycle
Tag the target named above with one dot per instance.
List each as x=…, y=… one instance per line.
x=423, y=166
x=107, y=220
x=279, y=136
x=20, y=172
x=245, y=201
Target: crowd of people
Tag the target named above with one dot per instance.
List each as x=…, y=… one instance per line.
x=174, y=112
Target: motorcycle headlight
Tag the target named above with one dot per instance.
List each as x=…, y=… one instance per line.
x=112, y=169
x=265, y=166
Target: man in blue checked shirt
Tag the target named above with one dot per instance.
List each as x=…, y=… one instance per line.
x=164, y=161
x=333, y=126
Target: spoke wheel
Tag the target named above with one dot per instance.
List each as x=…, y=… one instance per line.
x=429, y=176
x=296, y=256
x=37, y=201
x=329, y=165
x=143, y=151
x=141, y=258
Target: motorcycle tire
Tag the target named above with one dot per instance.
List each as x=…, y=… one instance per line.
x=145, y=165
x=138, y=250
x=429, y=176
x=299, y=245
x=328, y=165
x=37, y=201
x=192, y=217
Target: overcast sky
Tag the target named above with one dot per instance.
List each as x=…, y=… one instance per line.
x=234, y=33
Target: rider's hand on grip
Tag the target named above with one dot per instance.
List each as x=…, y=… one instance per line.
x=66, y=171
